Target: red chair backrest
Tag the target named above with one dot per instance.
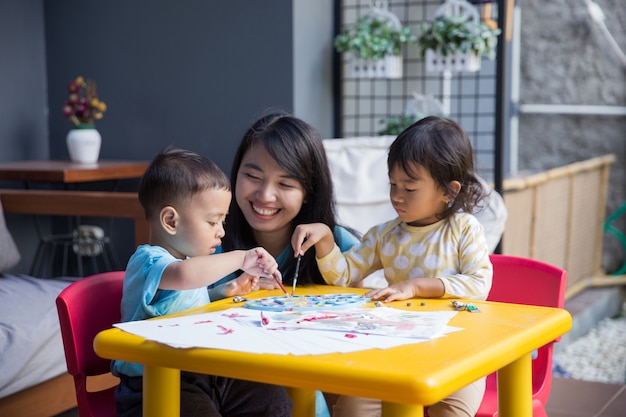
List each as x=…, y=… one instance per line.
x=526, y=281
x=85, y=308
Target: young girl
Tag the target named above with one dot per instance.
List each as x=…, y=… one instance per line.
x=434, y=248
x=280, y=177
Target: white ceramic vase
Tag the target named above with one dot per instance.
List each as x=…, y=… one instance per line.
x=83, y=145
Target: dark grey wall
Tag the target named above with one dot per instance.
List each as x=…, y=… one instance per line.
x=23, y=127
x=189, y=73
x=193, y=74
x=23, y=95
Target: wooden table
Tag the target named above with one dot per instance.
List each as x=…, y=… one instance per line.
x=70, y=174
x=67, y=172
x=501, y=337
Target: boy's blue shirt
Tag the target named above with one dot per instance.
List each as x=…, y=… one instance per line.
x=142, y=298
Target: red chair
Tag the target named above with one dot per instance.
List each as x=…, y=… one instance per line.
x=86, y=307
x=526, y=281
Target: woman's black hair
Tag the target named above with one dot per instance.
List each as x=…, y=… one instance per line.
x=443, y=148
x=298, y=148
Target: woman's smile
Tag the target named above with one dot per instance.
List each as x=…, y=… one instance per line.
x=264, y=211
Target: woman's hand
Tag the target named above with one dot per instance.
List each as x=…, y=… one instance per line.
x=242, y=285
x=267, y=284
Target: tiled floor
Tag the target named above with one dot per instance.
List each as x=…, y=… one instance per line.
x=574, y=398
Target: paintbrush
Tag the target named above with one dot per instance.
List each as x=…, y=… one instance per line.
x=280, y=284
x=295, y=276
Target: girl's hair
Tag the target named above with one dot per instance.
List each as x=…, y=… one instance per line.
x=174, y=176
x=443, y=148
x=298, y=149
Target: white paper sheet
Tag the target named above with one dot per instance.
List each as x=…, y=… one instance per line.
x=241, y=329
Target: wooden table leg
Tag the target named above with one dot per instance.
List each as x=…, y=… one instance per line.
x=515, y=388
x=161, y=392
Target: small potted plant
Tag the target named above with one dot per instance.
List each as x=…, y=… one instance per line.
x=376, y=42
x=456, y=43
x=395, y=124
x=417, y=108
x=82, y=108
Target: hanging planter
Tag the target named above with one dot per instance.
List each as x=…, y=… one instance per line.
x=388, y=67
x=375, y=44
x=455, y=62
x=456, y=39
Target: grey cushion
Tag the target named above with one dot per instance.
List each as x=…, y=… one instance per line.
x=9, y=255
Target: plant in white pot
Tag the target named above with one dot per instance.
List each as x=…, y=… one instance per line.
x=416, y=108
x=456, y=43
x=396, y=123
x=82, y=108
x=376, y=42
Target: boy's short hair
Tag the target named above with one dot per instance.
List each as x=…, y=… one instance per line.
x=174, y=176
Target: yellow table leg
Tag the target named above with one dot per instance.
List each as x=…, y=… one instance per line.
x=515, y=388
x=303, y=402
x=402, y=410
x=161, y=392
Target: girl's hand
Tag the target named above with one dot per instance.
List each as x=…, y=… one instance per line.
x=424, y=287
x=259, y=262
x=313, y=234
x=399, y=291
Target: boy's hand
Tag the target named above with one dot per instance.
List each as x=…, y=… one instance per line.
x=313, y=234
x=259, y=262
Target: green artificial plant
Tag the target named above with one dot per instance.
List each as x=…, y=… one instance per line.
x=451, y=34
x=372, y=38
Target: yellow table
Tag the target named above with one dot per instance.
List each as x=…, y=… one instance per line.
x=501, y=337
